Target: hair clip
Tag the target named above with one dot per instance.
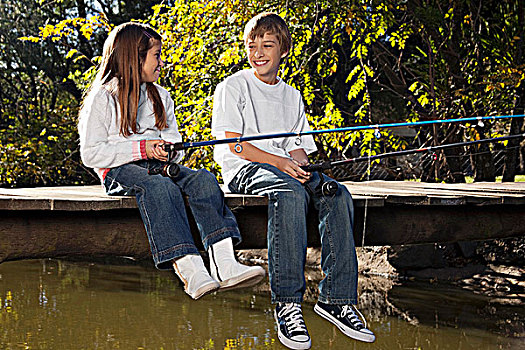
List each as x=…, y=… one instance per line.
x=147, y=34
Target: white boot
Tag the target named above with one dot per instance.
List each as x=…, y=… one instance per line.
x=197, y=281
x=225, y=268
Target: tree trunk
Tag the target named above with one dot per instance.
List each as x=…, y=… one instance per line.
x=482, y=160
x=512, y=156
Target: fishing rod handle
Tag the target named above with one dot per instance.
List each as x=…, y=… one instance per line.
x=177, y=146
x=316, y=167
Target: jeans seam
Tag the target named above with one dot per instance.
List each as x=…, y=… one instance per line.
x=332, y=250
x=219, y=232
x=147, y=221
x=174, y=248
x=276, y=240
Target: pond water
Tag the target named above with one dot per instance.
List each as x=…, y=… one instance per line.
x=56, y=304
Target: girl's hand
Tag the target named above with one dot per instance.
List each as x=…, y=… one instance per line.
x=154, y=150
x=292, y=168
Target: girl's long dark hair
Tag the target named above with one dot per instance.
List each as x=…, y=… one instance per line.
x=124, y=53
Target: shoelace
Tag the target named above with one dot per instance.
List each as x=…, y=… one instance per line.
x=293, y=317
x=349, y=311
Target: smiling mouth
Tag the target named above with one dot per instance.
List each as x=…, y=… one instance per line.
x=260, y=63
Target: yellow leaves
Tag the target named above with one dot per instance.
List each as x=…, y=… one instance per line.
x=67, y=27
x=86, y=30
x=504, y=77
x=31, y=38
x=231, y=55
x=46, y=31
x=71, y=53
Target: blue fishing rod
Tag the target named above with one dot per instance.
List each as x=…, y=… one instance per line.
x=185, y=145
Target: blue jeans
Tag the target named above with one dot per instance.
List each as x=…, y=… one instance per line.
x=161, y=204
x=288, y=202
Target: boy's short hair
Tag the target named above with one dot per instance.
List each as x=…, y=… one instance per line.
x=269, y=22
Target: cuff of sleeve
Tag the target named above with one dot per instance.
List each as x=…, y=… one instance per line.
x=143, y=154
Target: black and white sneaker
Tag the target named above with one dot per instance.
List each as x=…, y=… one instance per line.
x=291, y=328
x=346, y=318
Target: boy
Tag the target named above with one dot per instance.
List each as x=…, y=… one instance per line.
x=257, y=101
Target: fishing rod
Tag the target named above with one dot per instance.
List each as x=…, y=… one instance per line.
x=328, y=164
x=185, y=145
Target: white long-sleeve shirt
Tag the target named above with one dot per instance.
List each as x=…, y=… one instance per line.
x=102, y=147
x=245, y=105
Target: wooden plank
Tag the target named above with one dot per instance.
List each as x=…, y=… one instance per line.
x=43, y=234
x=415, y=193
x=82, y=220
x=93, y=198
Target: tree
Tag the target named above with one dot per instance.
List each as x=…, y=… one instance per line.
x=354, y=62
x=41, y=85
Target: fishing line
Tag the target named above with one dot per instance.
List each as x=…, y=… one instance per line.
x=369, y=171
x=330, y=164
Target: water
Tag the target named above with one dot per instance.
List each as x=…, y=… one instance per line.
x=55, y=304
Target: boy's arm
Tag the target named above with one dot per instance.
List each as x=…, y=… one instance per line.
x=286, y=165
x=300, y=156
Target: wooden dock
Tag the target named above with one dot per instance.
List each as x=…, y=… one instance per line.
x=82, y=220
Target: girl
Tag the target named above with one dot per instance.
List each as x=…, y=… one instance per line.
x=124, y=121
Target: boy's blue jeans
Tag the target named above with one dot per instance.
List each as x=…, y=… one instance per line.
x=161, y=204
x=287, y=236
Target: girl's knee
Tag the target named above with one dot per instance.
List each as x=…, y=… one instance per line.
x=157, y=183
x=205, y=175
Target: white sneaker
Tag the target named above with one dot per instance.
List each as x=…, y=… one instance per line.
x=228, y=271
x=197, y=281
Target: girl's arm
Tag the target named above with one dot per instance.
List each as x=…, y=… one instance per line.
x=286, y=165
x=98, y=148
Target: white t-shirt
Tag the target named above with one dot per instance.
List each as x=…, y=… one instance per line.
x=246, y=105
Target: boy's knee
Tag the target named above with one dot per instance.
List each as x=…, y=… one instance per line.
x=294, y=192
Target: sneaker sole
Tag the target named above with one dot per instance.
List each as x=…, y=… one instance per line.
x=347, y=331
x=290, y=343
x=204, y=290
x=243, y=281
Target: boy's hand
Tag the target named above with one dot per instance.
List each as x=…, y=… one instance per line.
x=292, y=168
x=154, y=150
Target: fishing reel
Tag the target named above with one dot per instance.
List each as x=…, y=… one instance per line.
x=169, y=168
x=324, y=188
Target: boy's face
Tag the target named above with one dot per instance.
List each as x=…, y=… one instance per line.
x=152, y=64
x=264, y=55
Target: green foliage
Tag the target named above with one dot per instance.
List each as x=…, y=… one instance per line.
x=42, y=78
x=354, y=62
x=204, y=45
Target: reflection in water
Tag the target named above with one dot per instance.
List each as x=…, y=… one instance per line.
x=54, y=304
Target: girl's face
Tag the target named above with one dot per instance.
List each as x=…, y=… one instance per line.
x=264, y=55
x=152, y=64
